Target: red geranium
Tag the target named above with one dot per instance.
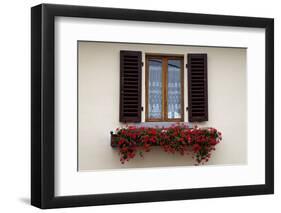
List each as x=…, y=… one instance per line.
x=173, y=139
x=196, y=148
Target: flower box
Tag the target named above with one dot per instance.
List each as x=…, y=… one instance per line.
x=113, y=140
x=178, y=138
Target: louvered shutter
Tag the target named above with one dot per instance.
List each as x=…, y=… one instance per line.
x=130, y=86
x=197, y=87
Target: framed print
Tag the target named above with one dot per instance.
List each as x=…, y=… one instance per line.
x=139, y=106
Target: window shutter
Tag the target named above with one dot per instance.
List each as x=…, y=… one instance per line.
x=130, y=86
x=197, y=87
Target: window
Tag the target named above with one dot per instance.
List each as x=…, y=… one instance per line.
x=164, y=85
x=164, y=88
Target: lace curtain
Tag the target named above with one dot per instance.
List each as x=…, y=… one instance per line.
x=174, y=89
x=155, y=88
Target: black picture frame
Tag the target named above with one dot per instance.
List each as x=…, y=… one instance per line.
x=43, y=110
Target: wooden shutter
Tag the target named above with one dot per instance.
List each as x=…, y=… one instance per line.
x=197, y=87
x=130, y=86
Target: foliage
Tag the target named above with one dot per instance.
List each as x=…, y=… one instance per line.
x=199, y=142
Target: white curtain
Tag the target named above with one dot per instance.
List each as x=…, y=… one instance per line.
x=155, y=88
x=174, y=89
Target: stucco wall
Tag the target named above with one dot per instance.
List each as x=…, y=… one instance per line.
x=98, y=95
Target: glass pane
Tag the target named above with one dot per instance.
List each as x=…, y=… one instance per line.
x=155, y=88
x=174, y=88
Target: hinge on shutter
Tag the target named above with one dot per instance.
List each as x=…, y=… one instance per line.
x=186, y=65
x=186, y=108
x=142, y=64
x=142, y=108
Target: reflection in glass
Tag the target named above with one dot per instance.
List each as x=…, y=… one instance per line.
x=155, y=88
x=174, y=89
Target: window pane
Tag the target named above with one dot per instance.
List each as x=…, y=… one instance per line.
x=155, y=88
x=174, y=89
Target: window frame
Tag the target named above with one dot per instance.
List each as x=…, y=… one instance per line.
x=165, y=58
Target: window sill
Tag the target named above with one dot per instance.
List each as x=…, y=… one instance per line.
x=160, y=123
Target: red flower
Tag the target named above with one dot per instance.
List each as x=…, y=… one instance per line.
x=196, y=148
x=121, y=141
x=152, y=140
x=174, y=139
x=153, y=132
x=183, y=134
x=181, y=140
x=133, y=135
x=145, y=139
x=132, y=127
x=213, y=142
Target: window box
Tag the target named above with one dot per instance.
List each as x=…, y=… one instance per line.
x=179, y=138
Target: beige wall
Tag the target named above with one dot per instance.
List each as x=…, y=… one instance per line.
x=98, y=78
